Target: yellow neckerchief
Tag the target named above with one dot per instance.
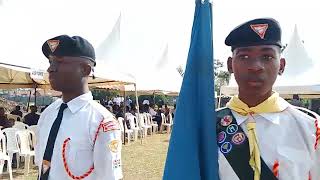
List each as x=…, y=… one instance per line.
x=270, y=105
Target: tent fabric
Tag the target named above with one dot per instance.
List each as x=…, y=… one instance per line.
x=159, y=76
x=151, y=92
x=163, y=78
x=12, y=77
x=15, y=77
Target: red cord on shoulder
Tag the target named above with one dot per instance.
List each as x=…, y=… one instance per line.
x=317, y=134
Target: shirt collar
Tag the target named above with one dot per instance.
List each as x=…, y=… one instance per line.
x=77, y=103
x=272, y=117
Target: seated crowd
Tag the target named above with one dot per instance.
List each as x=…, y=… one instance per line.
x=29, y=119
x=117, y=109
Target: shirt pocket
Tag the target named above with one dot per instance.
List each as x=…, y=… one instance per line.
x=293, y=164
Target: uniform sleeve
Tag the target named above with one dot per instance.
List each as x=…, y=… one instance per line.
x=107, y=151
x=315, y=171
x=38, y=159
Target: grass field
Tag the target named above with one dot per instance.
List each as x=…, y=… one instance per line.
x=139, y=161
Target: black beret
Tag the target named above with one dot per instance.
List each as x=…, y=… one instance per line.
x=64, y=45
x=263, y=31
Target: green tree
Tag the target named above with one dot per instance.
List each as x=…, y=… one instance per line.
x=102, y=94
x=221, y=77
x=180, y=70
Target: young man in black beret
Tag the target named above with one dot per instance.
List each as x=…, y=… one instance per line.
x=259, y=134
x=77, y=137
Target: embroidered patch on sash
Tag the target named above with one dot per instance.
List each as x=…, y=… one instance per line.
x=117, y=163
x=226, y=147
x=221, y=137
x=232, y=129
x=238, y=138
x=226, y=120
x=114, y=145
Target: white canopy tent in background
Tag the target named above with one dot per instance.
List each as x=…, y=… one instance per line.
x=297, y=75
x=25, y=28
x=27, y=24
x=161, y=77
x=13, y=76
x=158, y=76
x=22, y=37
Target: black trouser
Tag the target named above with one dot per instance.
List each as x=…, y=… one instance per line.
x=14, y=162
x=159, y=120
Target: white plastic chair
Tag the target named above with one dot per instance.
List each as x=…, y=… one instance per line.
x=23, y=139
x=147, y=123
x=3, y=155
x=153, y=124
x=33, y=130
x=12, y=144
x=142, y=124
x=166, y=123
x=133, y=126
x=20, y=125
x=129, y=132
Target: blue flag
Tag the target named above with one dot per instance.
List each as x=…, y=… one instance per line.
x=192, y=153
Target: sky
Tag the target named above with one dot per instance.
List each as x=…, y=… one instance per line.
x=147, y=28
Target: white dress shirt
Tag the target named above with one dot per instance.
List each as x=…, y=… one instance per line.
x=80, y=123
x=287, y=137
x=152, y=111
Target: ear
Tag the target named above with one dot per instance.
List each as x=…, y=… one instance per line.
x=86, y=69
x=229, y=64
x=282, y=66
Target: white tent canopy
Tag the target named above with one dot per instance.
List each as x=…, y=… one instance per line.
x=160, y=76
x=300, y=75
x=133, y=50
x=12, y=76
x=15, y=77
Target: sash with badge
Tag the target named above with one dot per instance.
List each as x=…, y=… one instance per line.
x=234, y=145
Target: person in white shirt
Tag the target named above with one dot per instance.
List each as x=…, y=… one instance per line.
x=146, y=101
x=77, y=137
x=128, y=102
x=259, y=134
x=152, y=111
x=117, y=100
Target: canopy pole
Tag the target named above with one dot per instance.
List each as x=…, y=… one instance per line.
x=125, y=119
x=137, y=104
x=30, y=92
x=154, y=97
x=219, y=99
x=35, y=96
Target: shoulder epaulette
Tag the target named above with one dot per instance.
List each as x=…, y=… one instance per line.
x=110, y=126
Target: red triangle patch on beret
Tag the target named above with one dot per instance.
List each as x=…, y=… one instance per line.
x=53, y=44
x=260, y=29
